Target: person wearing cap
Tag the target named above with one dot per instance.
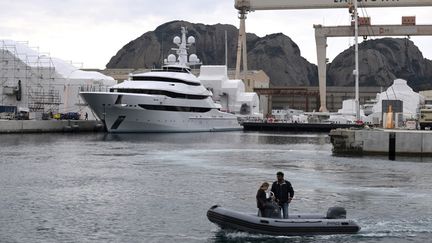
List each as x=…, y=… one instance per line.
x=283, y=192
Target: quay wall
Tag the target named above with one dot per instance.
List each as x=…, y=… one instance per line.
x=376, y=141
x=45, y=126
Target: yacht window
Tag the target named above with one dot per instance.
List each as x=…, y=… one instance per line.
x=175, y=108
x=163, y=79
x=172, y=69
x=161, y=92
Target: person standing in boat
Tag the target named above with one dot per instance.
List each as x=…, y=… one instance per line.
x=261, y=198
x=283, y=191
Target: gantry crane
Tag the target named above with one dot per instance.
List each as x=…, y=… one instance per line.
x=245, y=6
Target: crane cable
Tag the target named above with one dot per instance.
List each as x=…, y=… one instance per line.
x=365, y=14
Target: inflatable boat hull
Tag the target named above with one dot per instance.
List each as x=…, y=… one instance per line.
x=295, y=225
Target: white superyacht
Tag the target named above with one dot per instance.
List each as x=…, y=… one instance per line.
x=170, y=99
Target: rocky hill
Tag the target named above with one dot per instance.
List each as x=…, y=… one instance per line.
x=381, y=60
x=280, y=58
x=276, y=54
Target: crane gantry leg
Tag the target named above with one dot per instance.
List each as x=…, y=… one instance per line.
x=241, y=46
x=321, y=47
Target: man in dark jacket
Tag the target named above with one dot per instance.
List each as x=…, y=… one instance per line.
x=283, y=192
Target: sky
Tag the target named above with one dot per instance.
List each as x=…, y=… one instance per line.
x=89, y=32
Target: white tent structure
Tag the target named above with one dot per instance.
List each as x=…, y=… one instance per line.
x=346, y=115
x=230, y=94
x=36, y=82
x=398, y=91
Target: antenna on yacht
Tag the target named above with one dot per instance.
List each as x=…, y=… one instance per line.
x=162, y=51
x=356, y=70
x=226, y=49
x=183, y=45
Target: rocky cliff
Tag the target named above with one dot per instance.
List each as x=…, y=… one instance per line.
x=276, y=54
x=380, y=62
x=281, y=59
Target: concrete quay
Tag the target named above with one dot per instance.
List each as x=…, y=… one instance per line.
x=382, y=142
x=46, y=126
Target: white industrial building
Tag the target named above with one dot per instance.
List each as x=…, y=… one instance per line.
x=40, y=84
x=372, y=113
x=230, y=94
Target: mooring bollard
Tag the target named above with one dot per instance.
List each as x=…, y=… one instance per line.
x=392, y=146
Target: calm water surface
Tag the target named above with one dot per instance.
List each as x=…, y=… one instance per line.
x=158, y=187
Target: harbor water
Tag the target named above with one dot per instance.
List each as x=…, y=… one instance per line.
x=158, y=187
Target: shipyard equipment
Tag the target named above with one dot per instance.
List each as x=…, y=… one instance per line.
x=425, y=119
x=245, y=6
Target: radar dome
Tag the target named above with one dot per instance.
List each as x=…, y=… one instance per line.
x=177, y=40
x=191, y=40
x=193, y=58
x=171, y=58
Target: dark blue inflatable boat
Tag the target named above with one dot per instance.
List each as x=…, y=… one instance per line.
x=334, y=222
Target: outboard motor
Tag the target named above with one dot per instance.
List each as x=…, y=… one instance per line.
x=336, y=213
x=272, y=210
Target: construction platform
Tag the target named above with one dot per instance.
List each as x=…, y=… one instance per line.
x=382, y=142
x=47, y=126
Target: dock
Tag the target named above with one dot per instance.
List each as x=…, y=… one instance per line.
x=296, y=127
x=47, y=126
x=382, y=142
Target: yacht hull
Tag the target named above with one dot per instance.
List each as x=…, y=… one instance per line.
x=128, y=114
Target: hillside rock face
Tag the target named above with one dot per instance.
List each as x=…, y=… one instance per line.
x=149, y=50
x=280, y=58
x=380, y=62
x=276, y=54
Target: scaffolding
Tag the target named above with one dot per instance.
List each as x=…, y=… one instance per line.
x=44, y=101
x=34, y=70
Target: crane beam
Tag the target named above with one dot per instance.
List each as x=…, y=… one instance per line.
x=252, y=5
x=322, y=32
x=373, y=30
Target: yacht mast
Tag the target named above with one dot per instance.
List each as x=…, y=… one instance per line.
x=183, y=45
x=226, y=49
x=182, y=48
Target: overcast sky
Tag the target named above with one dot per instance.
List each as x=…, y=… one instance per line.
x=90, y=32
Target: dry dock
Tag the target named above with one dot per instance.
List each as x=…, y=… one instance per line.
x=36, y=126
x=381, y=141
